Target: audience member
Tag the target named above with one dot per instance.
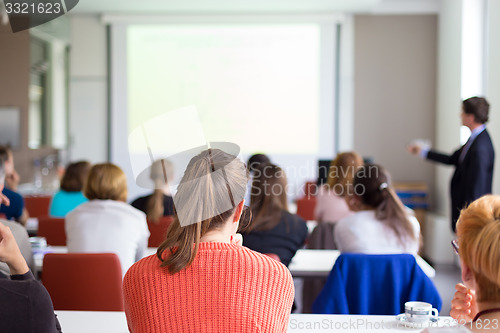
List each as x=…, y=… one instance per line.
x=107, y=223
x=25, y=305
x=253, y=162
x=16, y=209
x=380, y=224
x=19, y=232
x=273, y=229
x=160, y=203
x=330, y=204
x=256, y=160
x=70, y=194
x=476, y=303
x=202, y=279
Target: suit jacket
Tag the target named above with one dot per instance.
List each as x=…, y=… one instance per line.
x=472, y=177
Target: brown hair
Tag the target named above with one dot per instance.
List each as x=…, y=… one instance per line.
x=75, y=176
x=161, y=172
x=267, y=197
x=342, y=171
x=372, y=185
x=210, y=179
x=478, y=231
x=255, y=160
x=106, y=181
x=477, y=106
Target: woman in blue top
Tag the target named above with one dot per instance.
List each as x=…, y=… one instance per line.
x=70, y=194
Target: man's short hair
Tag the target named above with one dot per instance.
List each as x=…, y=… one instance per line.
x=479, y=107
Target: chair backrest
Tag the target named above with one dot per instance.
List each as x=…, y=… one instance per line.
x=53, y=230
x=321, y=237
x=375, y=285
x=37, y=205
x=84, y=281
x=158, y=230
x=310, y=189
x=305, y=208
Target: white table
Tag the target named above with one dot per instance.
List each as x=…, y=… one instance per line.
x=307, y=323
x=116, y=322
x=305, y=263
x=319, y=263
x=92, y=321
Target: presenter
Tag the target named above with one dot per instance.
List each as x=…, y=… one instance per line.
x=473, y=161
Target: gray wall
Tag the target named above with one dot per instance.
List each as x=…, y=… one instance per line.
x=395, y=90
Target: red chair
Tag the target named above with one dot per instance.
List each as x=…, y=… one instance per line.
x=53, y=230
x=158, y=230
x=37, y=205
x=84, y=281
x=305, y=208
x=2, y=216
x=310, y=189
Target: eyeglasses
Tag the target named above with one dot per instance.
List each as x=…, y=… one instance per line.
x=454, y=244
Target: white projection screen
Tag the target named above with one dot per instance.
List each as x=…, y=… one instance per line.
x=267, y=87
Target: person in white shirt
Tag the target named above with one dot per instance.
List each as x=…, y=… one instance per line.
x=330, y=204
x=381, y=224
x=106, y=223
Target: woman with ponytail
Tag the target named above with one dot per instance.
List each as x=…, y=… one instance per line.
x=160, y=202
x=202, y=279
x=381, y=224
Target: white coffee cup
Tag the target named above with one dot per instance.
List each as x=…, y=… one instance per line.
x=419, y=312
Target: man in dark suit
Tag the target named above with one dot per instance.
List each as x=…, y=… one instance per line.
x=473, y=161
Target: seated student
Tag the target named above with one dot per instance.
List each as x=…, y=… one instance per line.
x=330, y=204
x=381, y=223
x=25, y=305
x=160, y=203
x=253, y=162
x=19, y=232
x=107, y=223
x=202, y=279
x=476, y=303
x=273, y=228
x=16, y=209
x=70, y=194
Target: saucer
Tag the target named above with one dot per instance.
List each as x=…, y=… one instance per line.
x=403, y=320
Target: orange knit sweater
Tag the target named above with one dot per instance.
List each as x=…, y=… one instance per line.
x=227, y=288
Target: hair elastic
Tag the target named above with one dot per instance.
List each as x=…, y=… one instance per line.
x=383, y=186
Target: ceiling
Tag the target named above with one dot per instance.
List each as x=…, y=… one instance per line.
x=252, y=6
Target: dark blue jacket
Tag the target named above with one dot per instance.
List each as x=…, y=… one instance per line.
x=472, y=177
